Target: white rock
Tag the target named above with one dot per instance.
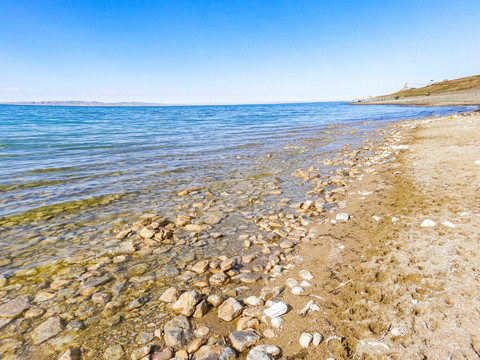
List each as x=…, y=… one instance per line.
x=306, y=275
x=395, y=219
x=342, y=217
x=333, y=221
x=277, y=322
x=365, y=192
x=297, y=290
x=291, y=282
x=317, y=339
x=269, y=349
x=428, y=223
x=253, y=301
x=376, y=218
x=305, y=283
x=477, y=162
x=305, y=340
x=276, y=310
x=449, y=224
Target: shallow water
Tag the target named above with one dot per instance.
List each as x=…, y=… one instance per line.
x=69, y=175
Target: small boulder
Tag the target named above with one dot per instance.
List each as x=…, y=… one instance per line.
x=46, y=330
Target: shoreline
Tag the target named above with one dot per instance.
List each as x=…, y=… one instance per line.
x=326, y=282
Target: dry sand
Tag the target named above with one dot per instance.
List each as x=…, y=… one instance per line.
x=394, y=289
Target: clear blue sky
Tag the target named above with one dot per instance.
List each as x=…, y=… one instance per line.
x=231, y=51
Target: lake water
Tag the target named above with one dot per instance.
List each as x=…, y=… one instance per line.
x=69, y=175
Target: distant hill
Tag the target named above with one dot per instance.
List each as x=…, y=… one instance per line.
x=463, y=91
x=81, y=103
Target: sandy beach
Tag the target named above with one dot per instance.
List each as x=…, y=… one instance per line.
x=383, y=264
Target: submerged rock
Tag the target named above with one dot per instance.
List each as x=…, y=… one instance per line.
x=46, y=330
x=14, y=307
x=177, y=331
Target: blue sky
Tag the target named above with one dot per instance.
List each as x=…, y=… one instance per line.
x=231, y=51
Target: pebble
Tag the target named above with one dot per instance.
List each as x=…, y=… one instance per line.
x=242, y=340
x=291, y=283
x=14, y=307
x=71, y=354
x=115, y=352
x=305, y=283
x=141, y=352
x=208, y=352
x=195, y=345
x=218, y=279
x=136, y=303
x=253, y=301
x=342, y=217
x=286, y=244
x=101, y=297
x=177, y=331
x=365, y=192
x=34, y=312
x=276, y=310
x=249, y=278
x=317, y=339
x=297, y=290
x=215, y=299
x=449, y=224
x=46, y=330
x=201, y=309
x=230, y=309
x=170, y=295
x=201, y=331
x=306, y=275
x=145, y=337
x=376, y=218
x=96, y=281
x=201, y=267
x=276, y=322
x=305, y=340
x=165, y=354
x=428, y=223
x=186, y=303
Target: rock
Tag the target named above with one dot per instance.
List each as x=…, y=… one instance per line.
x=449, y=224
x=196, y=227
x=177, y=331
x=253, y=301
x=218, y=279
x=76, y=325
x=245, y=323
x=115, y=352
x=246, y=259
x=214, y=352
x=317, y=339
x=305, y=340
x=227, y=264
x=59, y=284
x=230, y=309
x=428, y=223
x=297, y=290
x=145, y=337
x=170, y=295
x=136, y=303
x=364, y=192
x=71, y=354
x=249, y=278
x=277, y=322
x=123, y=234
x=201, y=309
x=185, y=304
x=286, y=244
x=46, y=330
x=101, y=297
x=96, y=281
x=146, y=233
x=215, y=299
x=201, y=266
x=291, y=283
x=34, y=312
x=305, y=283
x=165, y=354
x=376, y=218
x=181, y=354
x=195, y=345
x=276, y=310
x=269, y=349
x=242, y=340
x=342, y=217
x=201, y=331
x=14, y=307
x=306, y=275
x=141, y=352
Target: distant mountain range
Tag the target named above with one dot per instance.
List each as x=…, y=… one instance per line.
x=82, y=103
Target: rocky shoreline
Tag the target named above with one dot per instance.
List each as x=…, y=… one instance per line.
x=255, y=305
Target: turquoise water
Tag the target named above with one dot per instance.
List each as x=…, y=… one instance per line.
x=95, y=167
